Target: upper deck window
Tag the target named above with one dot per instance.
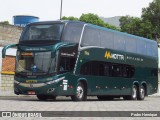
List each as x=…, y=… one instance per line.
x=72, y=32
x=42, y=32
x=91, y=37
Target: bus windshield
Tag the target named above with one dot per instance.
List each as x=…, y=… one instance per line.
x=42, y=32
x=35, y=64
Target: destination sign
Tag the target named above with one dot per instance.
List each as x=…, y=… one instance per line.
x=35, y=49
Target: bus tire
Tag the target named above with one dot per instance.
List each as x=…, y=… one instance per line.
x=141, y=93
x=133, y=95
x=42, y=97
x=81, y=94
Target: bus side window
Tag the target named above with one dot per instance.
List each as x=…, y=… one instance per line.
x=107, y=69
x=66, y=64
x=124, y=71
x=85, y=69
x=97, y=68
x=128, y=71
x=101, y=69
x=154, y=72
x=94, y=66
x=116, y=70
x=132, y=71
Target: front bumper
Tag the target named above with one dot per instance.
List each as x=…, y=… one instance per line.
x=55, y=87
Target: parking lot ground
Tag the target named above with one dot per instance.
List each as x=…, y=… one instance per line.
x=31, y=103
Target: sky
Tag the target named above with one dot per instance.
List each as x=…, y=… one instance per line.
x=50, y=9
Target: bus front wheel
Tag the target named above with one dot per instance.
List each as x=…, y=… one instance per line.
x=81, y=94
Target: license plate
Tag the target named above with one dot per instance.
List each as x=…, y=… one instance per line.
x=31, y=93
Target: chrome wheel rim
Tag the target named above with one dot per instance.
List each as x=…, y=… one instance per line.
x=80, y=92
x=134, y=92
x=142, y=93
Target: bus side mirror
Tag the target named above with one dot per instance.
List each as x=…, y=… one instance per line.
x=6, y=47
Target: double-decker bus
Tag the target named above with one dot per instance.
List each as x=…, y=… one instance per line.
x=77, y=59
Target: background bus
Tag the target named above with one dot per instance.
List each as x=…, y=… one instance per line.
x=78, y=59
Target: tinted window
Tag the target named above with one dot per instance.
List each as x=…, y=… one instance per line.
x=141, y=47
x=91, y=37
x=106, y=39
x=66, y=64
x=97, y=68
x=107, y=69
x=128, y=71
x=131, y=44
x=149, y=49
x=117, y=70
x=154, y=50
x=42, y=32
x=72, y=32
x=96, y=36
x=93, y=68
x=35, y=63
x=119, y=42
x=154, y=72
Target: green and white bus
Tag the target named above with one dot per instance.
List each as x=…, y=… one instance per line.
x=77, y=59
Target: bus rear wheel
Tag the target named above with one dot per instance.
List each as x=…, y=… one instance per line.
x=133, y=95
x=81, y=94
x=142, y=93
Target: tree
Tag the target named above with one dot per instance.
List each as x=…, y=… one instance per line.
x=124, y=23
x=69, y=18
x=130, y=24
x=111, y=27
x=94, y=19
x=91, y=18
x=146, y=29
x=4, y=22
x=147, y=26
x=152, y=14
x=136, y=26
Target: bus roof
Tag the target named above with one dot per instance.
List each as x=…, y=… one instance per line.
x=121, y=33
x=133, y=43
x=57, y=21
x=95, y=26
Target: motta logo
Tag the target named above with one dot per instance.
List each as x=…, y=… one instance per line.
x=110, y=55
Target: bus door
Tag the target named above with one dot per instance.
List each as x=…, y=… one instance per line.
x=67, y=58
